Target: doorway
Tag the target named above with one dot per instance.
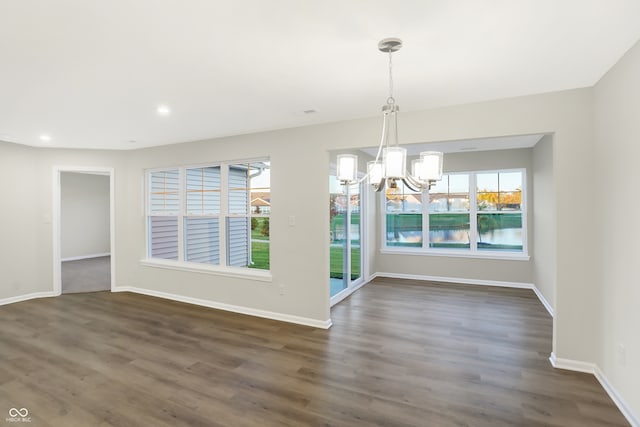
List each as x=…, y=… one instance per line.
x=83, y=230
x=346, y=238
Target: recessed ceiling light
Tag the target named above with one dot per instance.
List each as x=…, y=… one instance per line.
x=132, y=141
x=163, y=110
x=310, y=111
x=45, y=138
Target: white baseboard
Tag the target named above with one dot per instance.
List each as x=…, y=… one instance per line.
x=543, y=300
x=615, y=396
x=77, y=258
x=454, y=280
x=326, y=324
x=572, y=365
x=465, y=281
x=592, y=368
x=19, y=298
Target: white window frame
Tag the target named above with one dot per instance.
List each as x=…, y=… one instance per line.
x=181, y=264
x=473, y=251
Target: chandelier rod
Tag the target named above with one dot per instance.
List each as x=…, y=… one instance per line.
x=391, y=99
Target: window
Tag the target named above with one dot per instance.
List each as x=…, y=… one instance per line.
x=220, y=214
x=472, y=212
x=499, y=216
x=449, y=223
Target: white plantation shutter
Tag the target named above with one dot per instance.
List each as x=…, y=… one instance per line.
x=164, y=208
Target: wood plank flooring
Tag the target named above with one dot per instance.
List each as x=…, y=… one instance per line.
x=400, y=353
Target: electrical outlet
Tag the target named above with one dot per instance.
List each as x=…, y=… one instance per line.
x=622, y=355
x=281, y=289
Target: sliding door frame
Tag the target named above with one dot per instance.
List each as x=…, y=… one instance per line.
x=352, y=286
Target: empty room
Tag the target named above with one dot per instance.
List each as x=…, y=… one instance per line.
x=294, y=213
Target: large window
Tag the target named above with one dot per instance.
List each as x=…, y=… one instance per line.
x=215, y=214
x=471, y=212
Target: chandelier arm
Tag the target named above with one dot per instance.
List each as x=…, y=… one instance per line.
x=382, y=139
x=414, y=182
x=408, y=182
x=395, y=127
x=388, y=128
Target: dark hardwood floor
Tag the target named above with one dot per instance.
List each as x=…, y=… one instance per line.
x=400, y=353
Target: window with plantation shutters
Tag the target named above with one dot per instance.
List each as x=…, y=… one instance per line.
x=215, y=214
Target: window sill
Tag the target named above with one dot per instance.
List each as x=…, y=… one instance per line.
x=243, y=273
x=457, y=254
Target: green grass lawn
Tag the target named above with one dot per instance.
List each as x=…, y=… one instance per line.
x=338, y=220
x=260, y=255
x=336, y=269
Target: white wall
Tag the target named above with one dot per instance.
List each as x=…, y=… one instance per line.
x=84, y=203
x=543, y=220
x=615, y=197
x=26, y=229
x=19, y=235
x=512, y=271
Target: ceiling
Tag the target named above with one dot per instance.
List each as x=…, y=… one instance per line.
x=91, y=74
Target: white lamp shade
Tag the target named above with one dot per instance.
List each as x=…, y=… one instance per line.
x=347, y=168
x=375, y=172
x=395, y=162
x=432, y=165
x=419, y=171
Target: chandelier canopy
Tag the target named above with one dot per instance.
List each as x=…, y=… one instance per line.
x=392, y=167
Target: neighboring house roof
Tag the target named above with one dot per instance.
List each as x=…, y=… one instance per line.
x=259, y=202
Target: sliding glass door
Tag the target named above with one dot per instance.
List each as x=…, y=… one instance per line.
x=345, y=231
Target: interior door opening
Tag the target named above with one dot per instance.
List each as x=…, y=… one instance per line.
x=83, y=230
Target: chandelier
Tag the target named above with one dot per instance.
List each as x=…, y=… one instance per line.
x=392, y=167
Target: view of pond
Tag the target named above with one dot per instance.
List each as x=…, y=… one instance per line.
x=500, y=238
